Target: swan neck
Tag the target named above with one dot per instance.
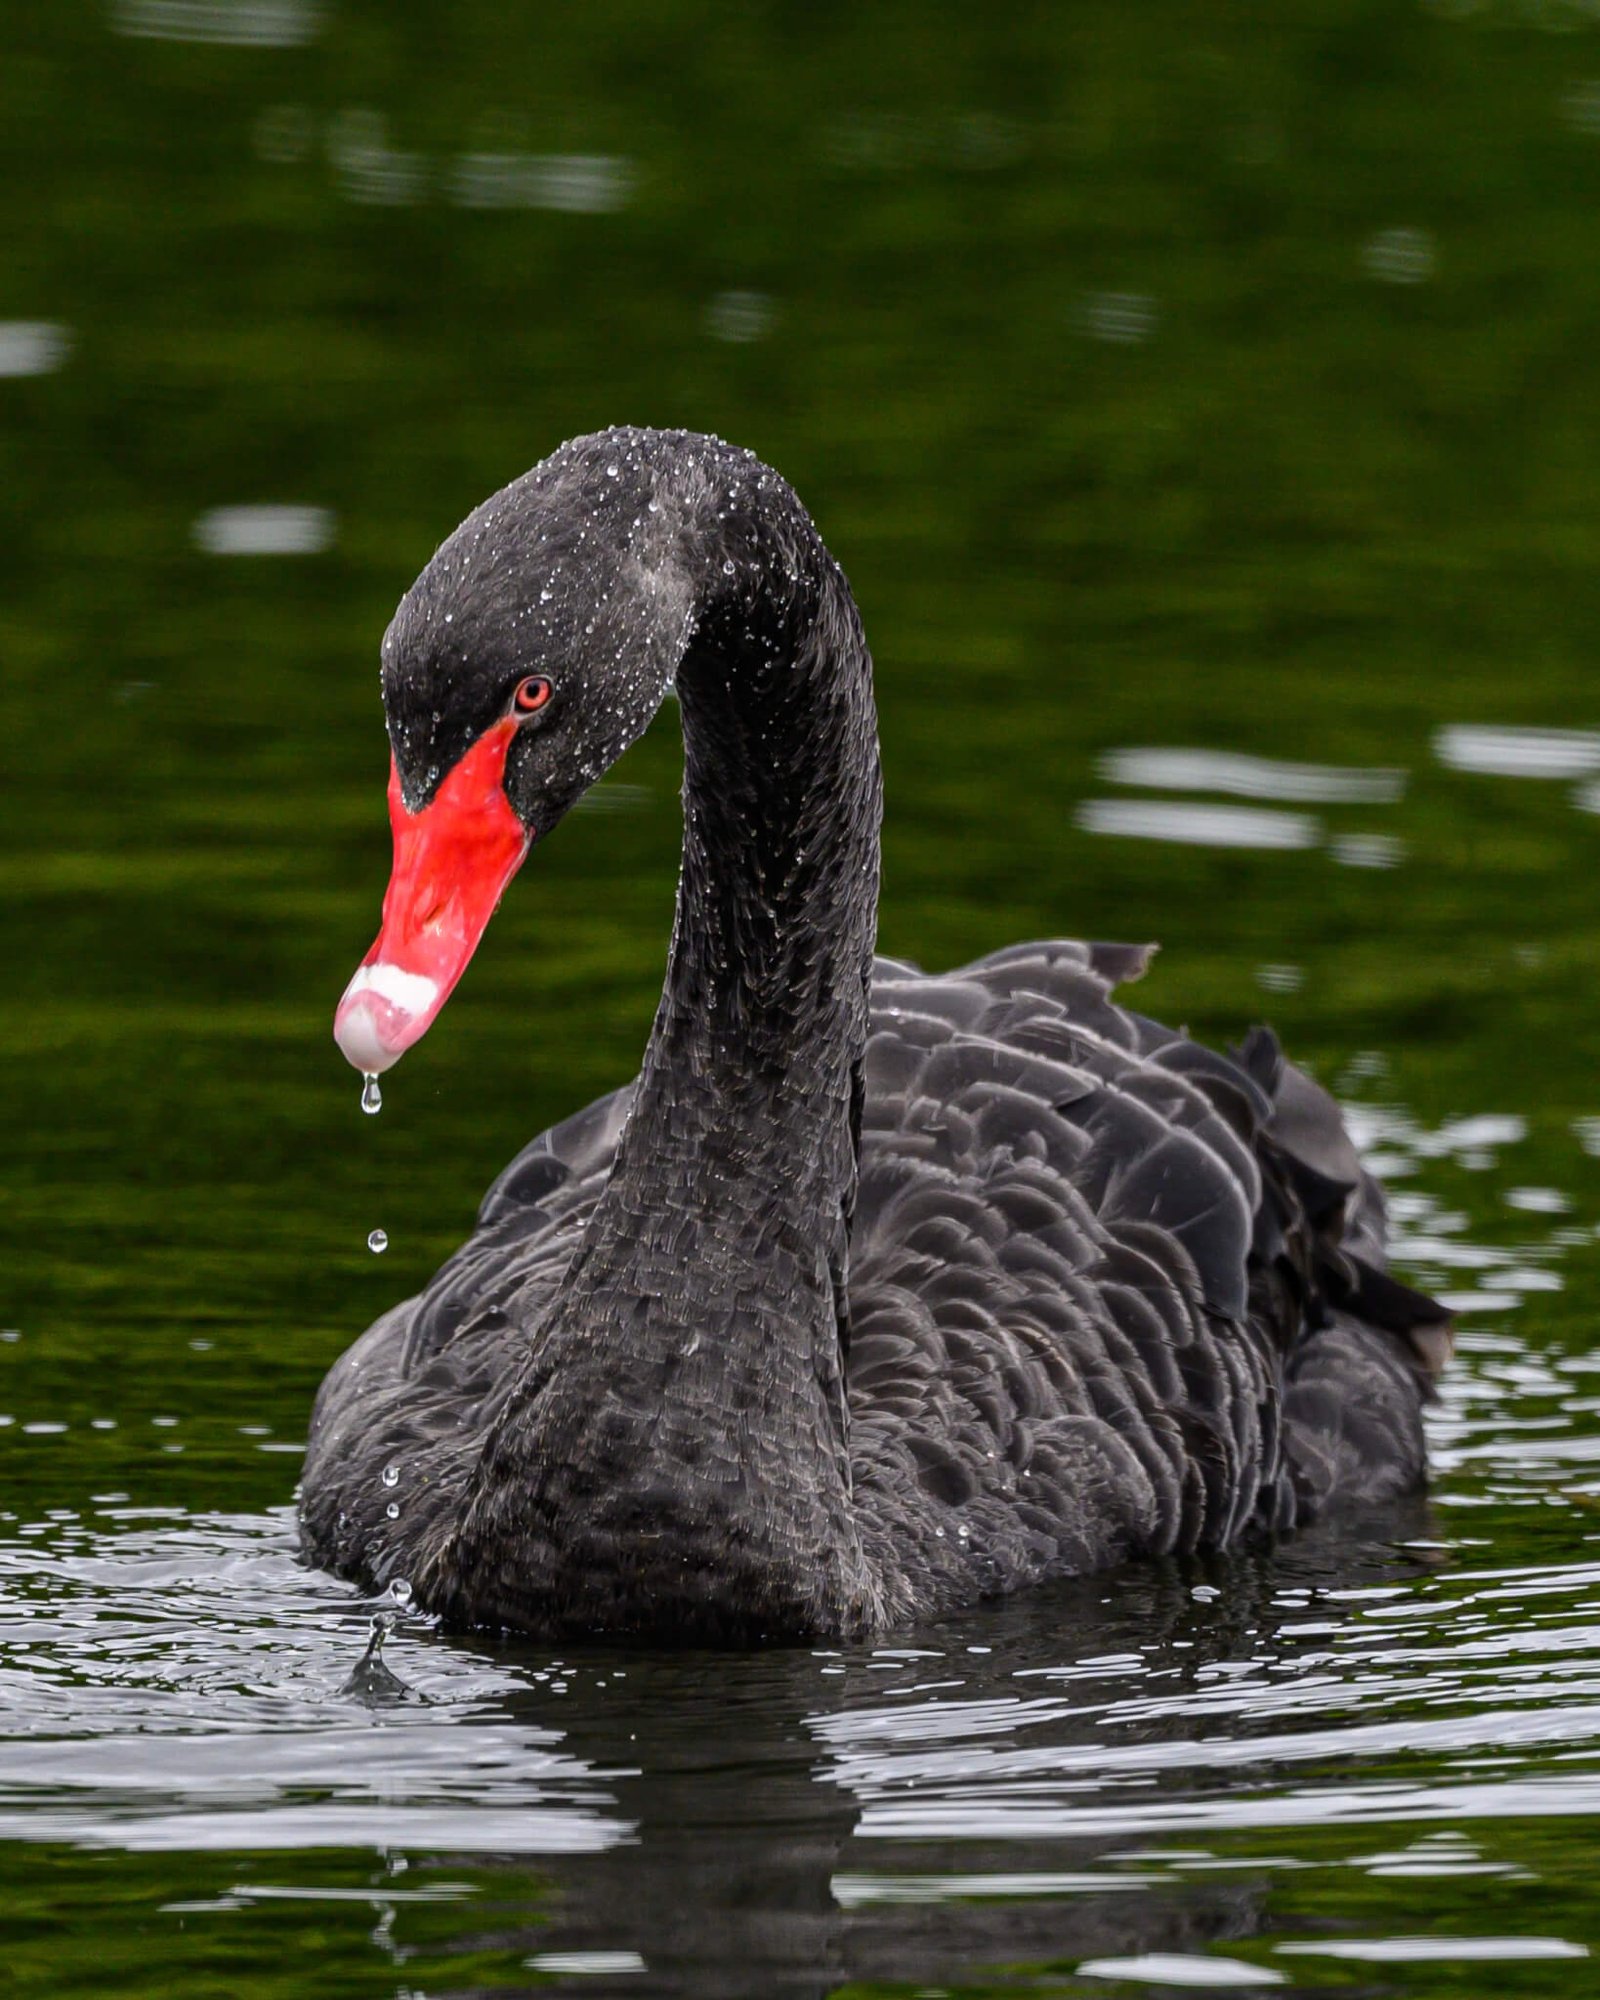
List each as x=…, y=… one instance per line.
x=735, y=1178
x=777, y=896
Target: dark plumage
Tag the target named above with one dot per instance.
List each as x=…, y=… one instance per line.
x=877, y=1292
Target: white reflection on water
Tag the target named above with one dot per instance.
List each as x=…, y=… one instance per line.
x=32, y=346
x=1537, y=1200
x=853, y=1892
x=266, y=531
x=1123, y=319
x=1239, y=776
x=1180, y=1968
x=278, y=24
x=1400, y=256
x=1430, y=1241
x=739, y=316
x=1198, y=825
x=1378, y=1128
x=1367, y=850
x=1104, y=1792
x=372, y=172
x=1436, y=1950
x=612, y=796
x=1517, y=753
x=1580, y=106
x=369, y=169
x=573, y=183
x=588, y=1964
x=123, y=1641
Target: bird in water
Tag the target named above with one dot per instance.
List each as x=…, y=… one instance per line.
x=877, y=1292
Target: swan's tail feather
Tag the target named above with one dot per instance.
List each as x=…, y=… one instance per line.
x=1420, y=1323
x=1331, y=1228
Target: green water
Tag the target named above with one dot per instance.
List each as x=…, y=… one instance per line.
x=1200, y=377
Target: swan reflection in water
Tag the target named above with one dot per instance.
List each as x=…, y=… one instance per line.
x=1096, y=1770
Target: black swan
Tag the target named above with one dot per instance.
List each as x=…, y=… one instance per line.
x=877, y=1292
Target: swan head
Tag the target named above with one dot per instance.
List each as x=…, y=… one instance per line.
x=533, y=649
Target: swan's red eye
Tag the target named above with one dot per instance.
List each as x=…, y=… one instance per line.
x=531, y=694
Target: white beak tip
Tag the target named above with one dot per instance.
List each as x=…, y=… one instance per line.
x=383, y=1011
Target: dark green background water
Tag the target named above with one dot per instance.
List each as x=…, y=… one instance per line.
x=1196, y=376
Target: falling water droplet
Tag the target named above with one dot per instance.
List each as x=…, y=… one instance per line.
x=371, y=1093
x=378, y=1242
x=391, y=1474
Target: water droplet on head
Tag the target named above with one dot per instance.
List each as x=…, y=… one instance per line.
x=393, y=1510
x=727, y=566
x=613, y=471
x=371, y=1094
x=378, y=1242
x=400, y=1591
x=391, y=1474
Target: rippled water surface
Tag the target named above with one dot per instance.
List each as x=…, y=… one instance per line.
x=1210, y=422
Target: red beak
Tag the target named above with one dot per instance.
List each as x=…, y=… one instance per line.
x=452, y=862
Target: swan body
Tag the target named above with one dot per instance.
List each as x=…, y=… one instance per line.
x=877, y=1292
